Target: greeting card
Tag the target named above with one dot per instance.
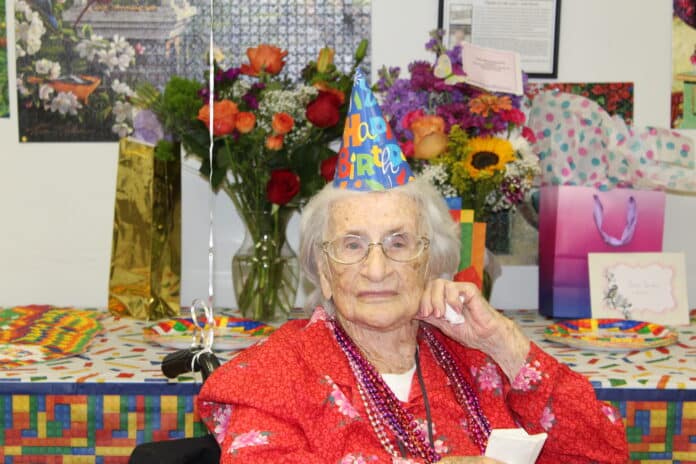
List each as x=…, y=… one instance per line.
x=640, y=286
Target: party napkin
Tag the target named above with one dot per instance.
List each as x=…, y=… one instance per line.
x=514, y=446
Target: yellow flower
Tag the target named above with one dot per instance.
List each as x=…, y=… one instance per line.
x=487, y=155
x=326, y=57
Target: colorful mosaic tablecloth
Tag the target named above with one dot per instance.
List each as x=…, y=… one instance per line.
x=655, y=389
x=667, y=373
x=95, y=407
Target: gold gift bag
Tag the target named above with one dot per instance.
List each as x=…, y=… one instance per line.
x=146, y=250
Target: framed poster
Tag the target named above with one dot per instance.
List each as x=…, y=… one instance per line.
x=528, y=27
x=81, y=60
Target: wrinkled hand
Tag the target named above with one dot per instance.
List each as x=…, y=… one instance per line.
x=483, y=328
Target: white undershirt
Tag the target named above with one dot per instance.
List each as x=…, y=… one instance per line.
x=400, y=384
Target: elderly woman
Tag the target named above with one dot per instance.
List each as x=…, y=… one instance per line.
x=378, y=373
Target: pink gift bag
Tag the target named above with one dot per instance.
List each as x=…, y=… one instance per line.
x=575, y=221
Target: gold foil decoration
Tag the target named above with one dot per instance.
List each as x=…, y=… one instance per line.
x=145, y=272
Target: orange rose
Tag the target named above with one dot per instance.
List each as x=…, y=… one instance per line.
x=429, y=138
x=245, y=122
x=224, y=116
x=282, y=123
x=274, y=142
x=266, y=58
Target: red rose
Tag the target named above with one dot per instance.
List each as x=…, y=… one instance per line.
x=328, y=168
x=408, y=119
x=282, y=186
x=407, y=148
x=323, y=111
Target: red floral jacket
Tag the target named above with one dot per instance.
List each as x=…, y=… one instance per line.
x=294, y=399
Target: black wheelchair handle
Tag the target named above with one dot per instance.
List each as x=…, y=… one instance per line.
x=182, y=361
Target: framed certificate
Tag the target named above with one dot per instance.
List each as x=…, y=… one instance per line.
x=528, y=27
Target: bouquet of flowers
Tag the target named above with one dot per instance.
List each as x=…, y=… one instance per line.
x=270, y=151
x=469, y=142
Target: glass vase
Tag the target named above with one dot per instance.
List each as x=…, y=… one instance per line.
x=498, y=233
x=265, y=270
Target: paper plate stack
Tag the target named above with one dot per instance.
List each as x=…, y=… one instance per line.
x=610, y=334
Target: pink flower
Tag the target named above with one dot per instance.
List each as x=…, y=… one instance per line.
x=488, y=377
x=528, y=134
x=527, y=377
x=221, y=419
x=339, y=399
x=547, y=418
x=611, y=413
x=356, y=459
x=251, y=438
x=440, y=447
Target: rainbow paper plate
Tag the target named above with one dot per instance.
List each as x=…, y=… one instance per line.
x=231, y=333
x=610, y=334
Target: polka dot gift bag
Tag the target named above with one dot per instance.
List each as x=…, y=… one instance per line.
x=602, y=191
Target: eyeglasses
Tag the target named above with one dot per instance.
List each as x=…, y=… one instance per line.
x=352, y=249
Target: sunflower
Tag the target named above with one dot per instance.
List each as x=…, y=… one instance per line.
x=487, y=155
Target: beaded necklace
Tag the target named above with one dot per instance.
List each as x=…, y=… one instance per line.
x=384, y=410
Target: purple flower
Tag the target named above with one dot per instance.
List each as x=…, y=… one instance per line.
x=204, y=93
x=226, y=76
x=422, y=76
x=400, y=100
x=146, y=127
x=387, y=77
x=251, y=101
x=512, y=189
x=455, y=56
x=232, y=73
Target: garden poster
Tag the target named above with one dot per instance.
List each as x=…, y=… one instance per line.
x=80, y=62
x=4, y=79
x=683, y=103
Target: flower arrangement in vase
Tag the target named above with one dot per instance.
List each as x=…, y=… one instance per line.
x=270, y=153
x=468, y=141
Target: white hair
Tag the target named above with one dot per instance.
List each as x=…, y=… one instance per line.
x=436, y=223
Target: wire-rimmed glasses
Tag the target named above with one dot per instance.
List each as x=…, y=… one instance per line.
x=352, y=249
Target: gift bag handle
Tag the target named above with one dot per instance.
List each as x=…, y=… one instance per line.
x=631, y=220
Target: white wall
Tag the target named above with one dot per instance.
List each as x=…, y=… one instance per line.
x=56, y=200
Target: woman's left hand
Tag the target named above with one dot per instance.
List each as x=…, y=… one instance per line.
x=483, y=328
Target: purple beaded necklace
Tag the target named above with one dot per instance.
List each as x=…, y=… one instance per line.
x=384, y=410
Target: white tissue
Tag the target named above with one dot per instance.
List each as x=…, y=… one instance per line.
x=452, y=316
x=514, y=446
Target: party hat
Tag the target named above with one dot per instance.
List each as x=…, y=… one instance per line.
x=370, y=157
